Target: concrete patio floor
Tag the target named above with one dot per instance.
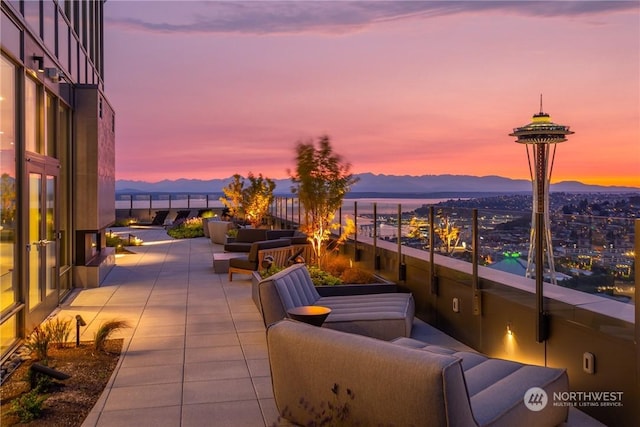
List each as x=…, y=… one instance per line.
x=196, y=352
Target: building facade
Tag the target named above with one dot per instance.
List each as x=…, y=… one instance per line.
x=57, y=154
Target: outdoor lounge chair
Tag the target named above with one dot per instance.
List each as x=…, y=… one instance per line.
x=279, y=251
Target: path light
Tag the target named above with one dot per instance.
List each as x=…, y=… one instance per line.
x=79, y=322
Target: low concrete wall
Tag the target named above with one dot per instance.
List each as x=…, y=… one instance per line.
x=579, y=323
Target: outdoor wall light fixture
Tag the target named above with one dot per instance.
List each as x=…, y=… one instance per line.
x=39, y=61
x=53, y=74
x=509, y=330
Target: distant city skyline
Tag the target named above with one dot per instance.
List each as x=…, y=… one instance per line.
x=204, y=90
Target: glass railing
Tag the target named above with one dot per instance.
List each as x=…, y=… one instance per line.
x=590, y=254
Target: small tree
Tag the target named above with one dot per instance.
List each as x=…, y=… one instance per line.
x=257, y=197
x=321, y=180
x=252, y=202
x=448, y=233
x=232, y=199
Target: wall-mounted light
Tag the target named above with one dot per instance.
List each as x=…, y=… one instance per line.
x=53, y=74
x=509, y=330
x=39, y=61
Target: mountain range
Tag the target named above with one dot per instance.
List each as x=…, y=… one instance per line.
x=370, y=185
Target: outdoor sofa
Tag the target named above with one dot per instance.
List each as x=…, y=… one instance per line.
x=245, y=238
x=384, y=316
x=401, y=383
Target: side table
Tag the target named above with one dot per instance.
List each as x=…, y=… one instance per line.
x=311, y=314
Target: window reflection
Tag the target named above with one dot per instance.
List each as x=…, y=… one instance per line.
x=7, y=188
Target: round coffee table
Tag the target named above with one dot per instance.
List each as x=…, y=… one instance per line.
x=311, y=314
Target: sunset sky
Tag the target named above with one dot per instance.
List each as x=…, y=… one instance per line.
x=208, y=89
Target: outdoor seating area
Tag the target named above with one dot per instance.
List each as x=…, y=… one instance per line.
x=396, y=384
x=384, y=316
x=197, y=352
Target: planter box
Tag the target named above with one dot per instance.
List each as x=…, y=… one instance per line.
x=383, y=286
x=353, y=289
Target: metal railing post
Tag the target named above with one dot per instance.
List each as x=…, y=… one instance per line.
x=475, y=281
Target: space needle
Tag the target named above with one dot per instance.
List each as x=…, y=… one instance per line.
x=540, y=138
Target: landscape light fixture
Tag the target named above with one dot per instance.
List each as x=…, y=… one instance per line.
x=39, y=61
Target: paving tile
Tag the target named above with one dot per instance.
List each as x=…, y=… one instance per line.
x=218, y=391
x=134, y=359
x=259, y=367
x=207, y=328
x=159, y=330
x=213, y=354
x=226, y=414
x=212, y=340
x=156, y=343
x=218, y=370
x=144, y=396
x=263, y=387
x=255, y=351
x=140, y=417
x=145, y=375
x=257, y=337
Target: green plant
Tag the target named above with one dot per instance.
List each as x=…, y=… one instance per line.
x=28, y=407
x=105, y=330
x=251, y=202
x=39, y=381
x=257, y=198
x=321, y=180
x=39, y=342
x=188, y=229
x=320, y=277
x=59, y=331
x=232, y=232
x=124, y=222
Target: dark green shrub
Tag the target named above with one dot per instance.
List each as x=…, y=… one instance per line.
x=189, y=229
x=28, y=407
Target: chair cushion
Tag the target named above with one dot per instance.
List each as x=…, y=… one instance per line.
x=496, y=387
x=384, y=316
x=243, y=263
x=250, y=235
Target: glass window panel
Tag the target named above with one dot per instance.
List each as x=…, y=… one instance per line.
x=49, y=24
x=74, y=60
x=10, y=35
x=82, y=63
x=68, y=10
x=31, y=116
x=50, y=126
x=63, y=43
x=35, y=211
x=7, y=334
x=15, y=4
x=51, y=247
x=8, y=206
x=32, y=15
